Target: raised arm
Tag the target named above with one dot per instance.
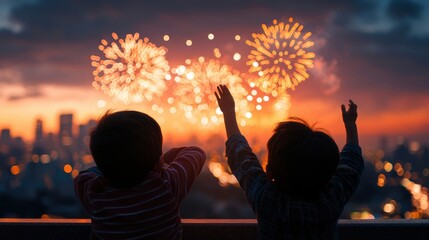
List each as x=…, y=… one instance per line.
x=349, y=119
x=347, y=175
x=227, y=106
x=169, y=156
x=184, y=166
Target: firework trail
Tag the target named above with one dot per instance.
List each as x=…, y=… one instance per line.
x=132, y=70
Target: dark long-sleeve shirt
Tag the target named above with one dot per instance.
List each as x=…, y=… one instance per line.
x=283, y=217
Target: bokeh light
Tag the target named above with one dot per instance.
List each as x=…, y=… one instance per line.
x=280, y=56
x=420, y=196
x=266, y=109
x=15, y=170
x=67, y=168
x=101, y=103
x=196, y=84
x=237, y=56
x=362, y=215
x=220, y=170
x=131, y=70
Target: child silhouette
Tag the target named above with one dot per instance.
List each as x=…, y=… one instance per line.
x=308, y=181
x=135, y=191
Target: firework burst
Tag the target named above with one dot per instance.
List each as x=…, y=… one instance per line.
x=280, y=56
x=132, y=70
x=266, y=109
x=196, y=84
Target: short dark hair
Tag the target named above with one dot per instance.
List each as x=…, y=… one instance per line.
x=301, y=160
x=126, y=145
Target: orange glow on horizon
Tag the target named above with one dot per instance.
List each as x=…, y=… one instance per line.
x=20, y=116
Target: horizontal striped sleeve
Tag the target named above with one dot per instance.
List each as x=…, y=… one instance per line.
x=184, y=169
x=146, y=211
x=81, y=184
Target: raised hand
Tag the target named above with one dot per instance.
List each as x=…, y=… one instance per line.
x=349, y=119
x=349, y=115
x=227, y=106
x=225, y=100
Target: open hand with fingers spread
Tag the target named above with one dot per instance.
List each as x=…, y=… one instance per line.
x=227, y=106
x=225, y=99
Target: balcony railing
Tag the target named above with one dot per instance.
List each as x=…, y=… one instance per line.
x=207, y=229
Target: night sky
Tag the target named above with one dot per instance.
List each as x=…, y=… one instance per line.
x=374, y=52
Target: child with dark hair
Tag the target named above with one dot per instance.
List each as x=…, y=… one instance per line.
x=308, y=181
x=135, y=191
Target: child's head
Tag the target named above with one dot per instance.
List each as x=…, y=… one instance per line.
x=301, y=160
x=126, y=146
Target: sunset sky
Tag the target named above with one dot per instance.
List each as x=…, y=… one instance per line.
x=374, y=52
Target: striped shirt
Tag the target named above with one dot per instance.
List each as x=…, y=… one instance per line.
x=149, y=210
x=283, y=217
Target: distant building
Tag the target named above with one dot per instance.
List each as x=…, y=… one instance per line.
x=83, y=135
x=39, y=131
x=66, y=129
x=5, y=136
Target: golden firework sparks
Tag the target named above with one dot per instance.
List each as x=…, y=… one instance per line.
x=266, y=109
x=132, y=70
x=280, y=56
x=196, y=84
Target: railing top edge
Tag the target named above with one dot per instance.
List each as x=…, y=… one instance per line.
x=218, y=221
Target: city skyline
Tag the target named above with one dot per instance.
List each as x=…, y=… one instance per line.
x=36, y=180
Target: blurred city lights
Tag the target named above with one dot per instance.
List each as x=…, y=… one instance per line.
x=15, y=170
x=362, y=215
x=67, y=168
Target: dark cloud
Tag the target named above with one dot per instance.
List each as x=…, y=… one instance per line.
x=70, y=20
x=387, y=62
x=394, y=60
x=404, y=9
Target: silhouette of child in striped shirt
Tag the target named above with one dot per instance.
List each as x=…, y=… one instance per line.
x=135, y=191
